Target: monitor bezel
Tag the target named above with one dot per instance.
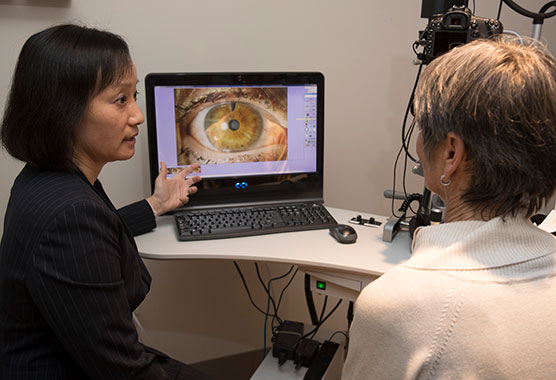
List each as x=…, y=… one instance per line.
x=261, y=187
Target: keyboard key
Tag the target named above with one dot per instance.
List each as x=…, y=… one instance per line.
x=231, y=230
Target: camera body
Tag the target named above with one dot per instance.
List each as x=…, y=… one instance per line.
x=456, y=27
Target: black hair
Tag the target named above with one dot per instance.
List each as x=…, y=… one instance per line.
x=58, y=72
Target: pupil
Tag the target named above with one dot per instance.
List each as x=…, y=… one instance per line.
x=233, y=125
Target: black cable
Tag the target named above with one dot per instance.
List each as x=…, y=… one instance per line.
x=414, y=47
x=275, y=318
x=405, y=159
x=340, y=332
x=275, y=315
x=394, y=182
x=323, y=307
x=410, y=198
x=534, y=16
x=499, y=10
x=260, y=277
x=406, y=137
x=407, y=110
x=268, y=305
x=404, y=176
x=349, y=314
x=265, y=288
x=247, y=289
x=545, y=7
x=410, y=132
x=322, y=321
x=313, y=332
x=309, y=300
x=285, y=287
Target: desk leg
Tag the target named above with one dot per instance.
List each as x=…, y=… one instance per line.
x=310, y=301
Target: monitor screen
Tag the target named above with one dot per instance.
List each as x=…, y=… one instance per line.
x=249, y=131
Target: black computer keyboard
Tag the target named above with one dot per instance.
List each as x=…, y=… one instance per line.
x=246, y=221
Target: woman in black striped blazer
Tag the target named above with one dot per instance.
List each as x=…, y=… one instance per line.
x=70, y=273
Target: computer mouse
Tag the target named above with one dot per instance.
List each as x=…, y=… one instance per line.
x=343, y=233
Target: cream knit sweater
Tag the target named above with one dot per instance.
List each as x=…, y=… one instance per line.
x=477, y=300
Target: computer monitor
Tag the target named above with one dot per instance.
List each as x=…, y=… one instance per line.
x=257, y=136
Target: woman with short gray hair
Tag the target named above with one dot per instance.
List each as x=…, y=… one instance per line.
x=476, y=299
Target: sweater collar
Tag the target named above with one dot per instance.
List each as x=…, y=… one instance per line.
x=470, y=245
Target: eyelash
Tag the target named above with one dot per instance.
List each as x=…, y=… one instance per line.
x=213, y=99
x=123, y=99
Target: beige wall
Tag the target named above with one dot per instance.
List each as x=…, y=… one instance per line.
x=362, y=47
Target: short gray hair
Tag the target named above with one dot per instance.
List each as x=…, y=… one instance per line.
x=499, y=96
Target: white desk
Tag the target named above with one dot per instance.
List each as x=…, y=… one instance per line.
x=316, y=249
x=346, y=268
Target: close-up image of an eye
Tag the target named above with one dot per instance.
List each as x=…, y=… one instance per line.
x=223, y=125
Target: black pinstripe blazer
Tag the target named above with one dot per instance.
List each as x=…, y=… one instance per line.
x=70, y=277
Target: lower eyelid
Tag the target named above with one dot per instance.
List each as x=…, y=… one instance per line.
x=220, y=158
x=205, y=155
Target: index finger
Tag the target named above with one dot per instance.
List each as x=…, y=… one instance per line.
x=189, y=169
x=163, y=169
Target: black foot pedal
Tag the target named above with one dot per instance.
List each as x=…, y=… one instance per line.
x=321, y=362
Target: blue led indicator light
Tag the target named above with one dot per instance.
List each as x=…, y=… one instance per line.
x=241, y=185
